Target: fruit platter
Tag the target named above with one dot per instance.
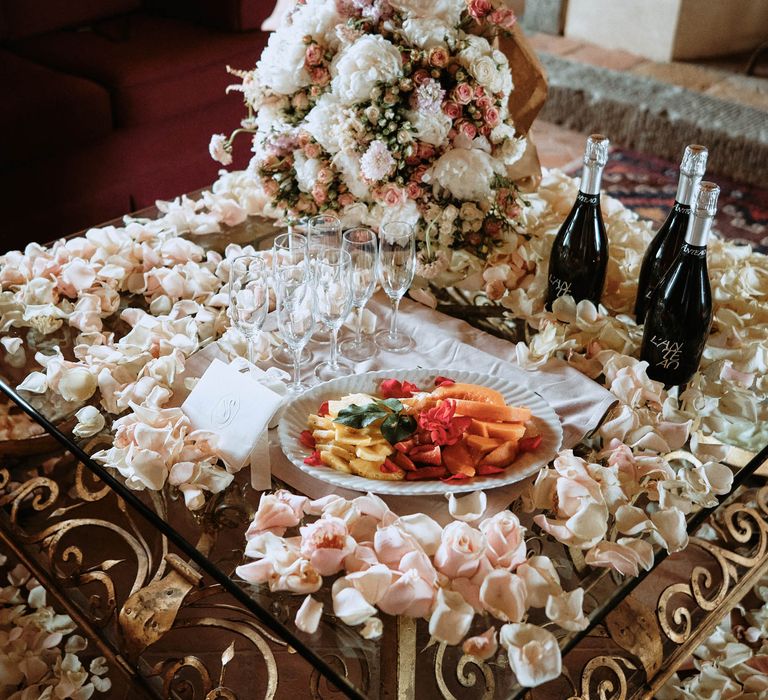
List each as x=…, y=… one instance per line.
x=420, y=432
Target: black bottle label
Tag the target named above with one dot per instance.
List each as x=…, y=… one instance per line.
x=588, y=198
x=681, y=208
x=669, y=352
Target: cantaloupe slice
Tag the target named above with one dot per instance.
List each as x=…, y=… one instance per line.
x=478, y=427
x=458, y=460
x=503, y=455
x=506, y=431
x=469, y=392
x=482, y=444
x=492, y=412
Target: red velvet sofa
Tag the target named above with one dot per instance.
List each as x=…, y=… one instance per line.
x=109, y=105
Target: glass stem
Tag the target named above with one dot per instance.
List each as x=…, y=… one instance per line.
x=296, y=367
x=251, y=350
x=393, y=320
x=333, y=360
x=359, y=329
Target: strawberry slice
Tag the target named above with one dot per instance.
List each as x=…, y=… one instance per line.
x=306, y=438
x=388, y=467
x=426, y=454
x=314, y=460
x=394, y=389
x=404, y=462
x=426, y=473
x=323, y=410
x=529, y=444
x=444, y=381
x=459, y=476
x=405, y=446
x=488, y=469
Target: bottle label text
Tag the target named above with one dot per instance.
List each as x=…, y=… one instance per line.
x=561, y=287
x=670, y=352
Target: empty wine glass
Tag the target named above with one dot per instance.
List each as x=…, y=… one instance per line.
x=333, y=286
x=362, y=246
x=295, y=313
x=397, y=264
x=323, y=231
x=249, y=297
x=289, y=248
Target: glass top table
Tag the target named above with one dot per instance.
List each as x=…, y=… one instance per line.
x=200, y=550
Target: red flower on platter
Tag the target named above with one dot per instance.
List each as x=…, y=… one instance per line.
x=314, y=460
x=443, y=426
x=307, y=439
x=395, y=389
x=444, y=381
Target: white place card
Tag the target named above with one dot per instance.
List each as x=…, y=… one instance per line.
x=238, y=409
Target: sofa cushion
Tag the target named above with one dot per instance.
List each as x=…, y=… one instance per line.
x=49, y=111
x=231, y=15
x=30, y=17
x=154, y=67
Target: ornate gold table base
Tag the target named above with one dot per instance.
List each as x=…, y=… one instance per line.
x=168, y=631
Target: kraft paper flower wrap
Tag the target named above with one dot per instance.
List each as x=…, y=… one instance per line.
x=384, y=110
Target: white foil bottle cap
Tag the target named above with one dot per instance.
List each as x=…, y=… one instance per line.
x=596, y=152
x=694, y=163
x=705, y=200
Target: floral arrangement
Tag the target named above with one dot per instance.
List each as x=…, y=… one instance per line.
x=732, y=662
x=32, y=635
x=390, y=110
x=410, y=565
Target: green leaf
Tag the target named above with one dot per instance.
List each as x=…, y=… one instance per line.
x=396, y=428
x=355, y=416
x=392, y=404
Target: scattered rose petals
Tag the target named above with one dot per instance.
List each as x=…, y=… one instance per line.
x=309, y=614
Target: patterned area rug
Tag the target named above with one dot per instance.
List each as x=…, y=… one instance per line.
x=647, y=185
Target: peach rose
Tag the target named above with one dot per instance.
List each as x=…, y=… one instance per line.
x=492, y=117
x=420, y=77
x=503, y=594
x=483, y=646
x=451, y=109
x=392, y=196
x=505, y=541
x=467, y=128
x=438, y=57
x=461, y=550
x=326, y=543
x=319, y=193
x=534, y=654
x=479, y=8
x=312, y=150
x=463, y=93
x=314, y=55
x=451, y=618
x=276, y=513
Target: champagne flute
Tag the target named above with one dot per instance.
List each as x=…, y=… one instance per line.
x=397, y=265
x=323, y=231
x=295, y=313
x=249, y=297
x=362, y=246
x=289, y=248
x=333, y=285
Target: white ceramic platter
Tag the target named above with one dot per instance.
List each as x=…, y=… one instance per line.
x=294, y=420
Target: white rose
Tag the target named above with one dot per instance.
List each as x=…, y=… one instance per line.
x=428, y=32
x=449, y=11
x=370, y=60
x=281, y=66
x=318, y=18
x=466, y=173
x=483, y=69
x=407, y=212
x=431, y=128
x=325, y=122
x=348, y=164
x=511, y=150
x=306, y=170
x=476, y=46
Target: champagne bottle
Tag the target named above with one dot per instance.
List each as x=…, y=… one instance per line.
x=680, y=310
x=666, y=243
x=579, y=255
